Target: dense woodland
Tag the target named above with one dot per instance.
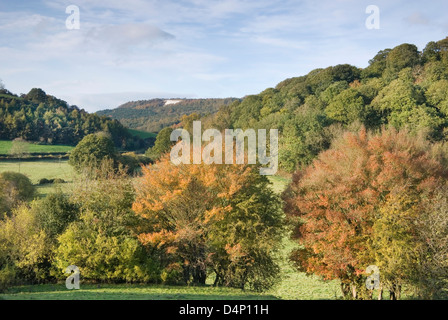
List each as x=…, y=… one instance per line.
x=153, y=115
x=401, y=87
x=38, y=117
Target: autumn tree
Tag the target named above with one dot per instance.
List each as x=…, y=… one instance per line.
x=200, y=219
x=343, y=201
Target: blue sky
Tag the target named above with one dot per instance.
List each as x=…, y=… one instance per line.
x=136, y=49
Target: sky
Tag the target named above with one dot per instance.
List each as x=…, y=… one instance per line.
x=137, y=49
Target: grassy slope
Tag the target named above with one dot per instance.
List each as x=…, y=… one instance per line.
x=35, y=148
x=293, y=286
x=130, y=292
x=142, y=134
x=36, y=170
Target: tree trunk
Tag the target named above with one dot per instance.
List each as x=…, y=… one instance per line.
x=395, y=292
x=199, y=275
x=345, y=288
x=354, y=293
x=380, y=293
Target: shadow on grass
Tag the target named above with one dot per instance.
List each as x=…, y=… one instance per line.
x=130, y=292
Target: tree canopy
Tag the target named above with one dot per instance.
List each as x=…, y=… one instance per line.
x=39, y=117
x=402, y=87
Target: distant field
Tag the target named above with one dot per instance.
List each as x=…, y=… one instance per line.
x=35, y=148
x=279, y=183
x=142, y=134
x=36, y=170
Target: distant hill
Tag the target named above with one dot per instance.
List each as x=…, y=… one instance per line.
x=45, y=119
x=155, y=114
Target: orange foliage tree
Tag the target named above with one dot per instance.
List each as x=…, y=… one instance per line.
x=210, y=218
x=334, y=203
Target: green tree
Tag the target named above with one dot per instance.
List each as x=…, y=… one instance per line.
x=15, y=188
x=377, y=65
x=347, y=107
x=162, y=145
x=303, y=138
x=54, y=213
x=432, y=232
x=431, y=52
x=187, y=121
x=37, y=95
x=91, y=151
x=403, y=56
x=101, y=242
x=437, y=95
x=24, y=248
x=19, y=148
x=394, y=244
x=402, y=105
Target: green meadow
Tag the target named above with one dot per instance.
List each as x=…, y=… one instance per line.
x=142, y=134
x=5, y=146
x=37, y=170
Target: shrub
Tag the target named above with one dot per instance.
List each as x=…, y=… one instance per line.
x=55, y=213
x=24, y=248
x=44, y=181
x=100, y=243
x=91, y=151
x=14, y=189
x=7, y=276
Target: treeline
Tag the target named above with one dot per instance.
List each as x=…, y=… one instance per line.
x=174, y=225
x=38, y=117
x=154, y=115
x=401, y=87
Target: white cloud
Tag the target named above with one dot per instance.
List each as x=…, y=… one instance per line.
x=137, y=48
x=124, y=37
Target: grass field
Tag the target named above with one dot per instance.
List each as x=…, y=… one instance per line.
x=36, y=170
x=129, y=292
x=293, y=286
x=5, y=146
x=279, y=183
x=142, y=134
